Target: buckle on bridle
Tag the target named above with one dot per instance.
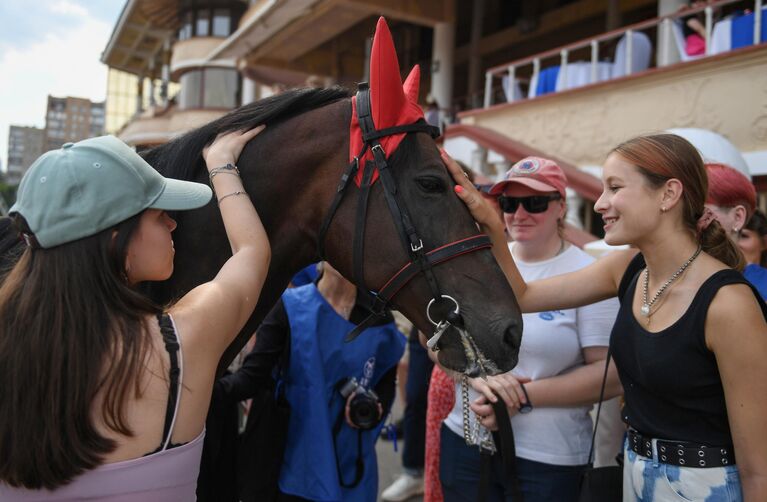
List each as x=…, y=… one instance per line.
x=417, y=247
x=379, y=147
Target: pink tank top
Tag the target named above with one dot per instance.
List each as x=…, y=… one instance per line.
x=169, y=475
x=166, y=476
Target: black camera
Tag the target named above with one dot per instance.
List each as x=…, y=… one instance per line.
x=363, y=409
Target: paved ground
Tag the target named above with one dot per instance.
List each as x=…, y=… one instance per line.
x=389, y=462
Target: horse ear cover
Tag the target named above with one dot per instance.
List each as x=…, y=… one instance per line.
x=392, y=103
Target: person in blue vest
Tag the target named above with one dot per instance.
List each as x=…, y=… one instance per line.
x=338, y=392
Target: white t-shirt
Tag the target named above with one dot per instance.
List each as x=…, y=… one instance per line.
x=551, y=346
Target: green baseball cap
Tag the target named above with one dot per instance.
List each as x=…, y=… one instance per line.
x=92, y=185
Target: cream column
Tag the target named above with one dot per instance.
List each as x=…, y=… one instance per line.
x=443, y=49
x=249, y=91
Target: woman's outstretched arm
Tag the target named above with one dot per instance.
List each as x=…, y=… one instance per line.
x=213, y=313
x=598, y=281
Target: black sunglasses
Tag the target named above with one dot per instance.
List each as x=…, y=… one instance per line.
x=532, y=204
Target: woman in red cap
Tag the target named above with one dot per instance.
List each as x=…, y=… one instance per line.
x=690, y=339
x=561, y=359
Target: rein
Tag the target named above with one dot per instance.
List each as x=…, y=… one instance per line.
x=421, y=261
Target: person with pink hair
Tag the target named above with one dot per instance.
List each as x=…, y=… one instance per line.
x=732, y=199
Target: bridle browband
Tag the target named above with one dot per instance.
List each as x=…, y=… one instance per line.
x=420, y=261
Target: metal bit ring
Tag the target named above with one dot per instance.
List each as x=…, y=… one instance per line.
x=428, y=308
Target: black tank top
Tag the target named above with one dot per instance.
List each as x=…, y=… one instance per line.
x=670, y=379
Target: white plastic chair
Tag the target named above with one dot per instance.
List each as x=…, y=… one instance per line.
x=641, y=52
x=517, y=89
x=579, y=74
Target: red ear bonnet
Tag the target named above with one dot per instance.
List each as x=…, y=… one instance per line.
x=410, y=87
x=391, y=102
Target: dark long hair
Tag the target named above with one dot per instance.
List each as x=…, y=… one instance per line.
x=70, y=328
x=660, y=157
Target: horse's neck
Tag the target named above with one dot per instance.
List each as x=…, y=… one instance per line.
x=291, y=179
x=305, y=161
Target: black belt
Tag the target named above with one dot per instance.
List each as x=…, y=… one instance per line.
x=682, y=453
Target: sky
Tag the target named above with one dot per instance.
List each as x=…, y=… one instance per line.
x=50, y=47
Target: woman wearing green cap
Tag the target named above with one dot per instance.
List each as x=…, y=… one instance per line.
x=104, y=394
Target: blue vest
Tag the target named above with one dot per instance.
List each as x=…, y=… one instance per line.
x=319, y=359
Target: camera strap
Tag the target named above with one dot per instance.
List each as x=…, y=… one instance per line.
x=359, y=464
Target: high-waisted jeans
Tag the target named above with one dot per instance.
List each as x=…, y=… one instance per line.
x=648, y=480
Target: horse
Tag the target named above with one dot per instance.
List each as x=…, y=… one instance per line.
x=408, y=237
x=290, y=172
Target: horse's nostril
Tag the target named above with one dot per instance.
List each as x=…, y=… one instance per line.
x=512, y=337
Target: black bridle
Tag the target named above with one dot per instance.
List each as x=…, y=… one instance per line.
x=421, y=261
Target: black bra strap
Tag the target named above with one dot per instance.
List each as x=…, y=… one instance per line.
x=171, y=345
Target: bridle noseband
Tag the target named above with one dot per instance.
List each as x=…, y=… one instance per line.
x=421, y=261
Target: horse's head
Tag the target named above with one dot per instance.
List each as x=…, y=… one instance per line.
x=457, y=289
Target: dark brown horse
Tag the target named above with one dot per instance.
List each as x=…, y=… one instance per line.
x=291, y=172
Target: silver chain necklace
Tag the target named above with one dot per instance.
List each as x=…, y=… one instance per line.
x=646, y=306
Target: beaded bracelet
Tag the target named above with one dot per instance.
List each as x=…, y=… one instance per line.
x=239, y=192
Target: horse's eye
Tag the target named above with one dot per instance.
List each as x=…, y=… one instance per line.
x=430, y=184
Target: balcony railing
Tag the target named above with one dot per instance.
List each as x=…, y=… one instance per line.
x=598, y=71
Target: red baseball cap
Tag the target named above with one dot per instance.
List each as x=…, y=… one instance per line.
x=537, y=173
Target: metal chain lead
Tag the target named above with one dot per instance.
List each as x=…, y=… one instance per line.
x=478, y=435
x=646, y=306
x=465, y=409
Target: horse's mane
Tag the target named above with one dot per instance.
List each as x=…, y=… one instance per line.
x=181, y=158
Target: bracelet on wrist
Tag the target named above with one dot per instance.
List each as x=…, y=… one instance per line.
x=213, y=174
x=233, y=194
x=228, y=169
x=527, y=406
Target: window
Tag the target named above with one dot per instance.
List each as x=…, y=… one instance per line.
x=186, y=26
x=221, y=23
x=220, y=88
x=203, y=23
x=209, y=88
x=191, y=85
